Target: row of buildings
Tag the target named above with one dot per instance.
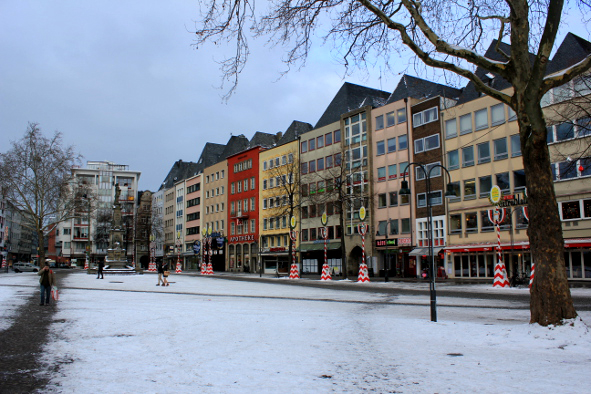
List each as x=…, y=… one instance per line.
x=236, y=205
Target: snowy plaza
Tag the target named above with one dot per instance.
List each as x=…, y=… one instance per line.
x=202, y=334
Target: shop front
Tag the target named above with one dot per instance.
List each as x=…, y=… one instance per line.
x=312, y=255
x=394, y=258
x=242, y=253
x=420, y=259
x=276, y=260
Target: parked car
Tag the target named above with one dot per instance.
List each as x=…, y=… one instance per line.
x=24, y=267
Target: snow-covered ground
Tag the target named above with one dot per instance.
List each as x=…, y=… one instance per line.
x=201, y=334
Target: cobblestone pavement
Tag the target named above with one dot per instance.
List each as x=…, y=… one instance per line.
x=21, y=344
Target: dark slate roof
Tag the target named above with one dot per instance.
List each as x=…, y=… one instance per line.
x=295, y=129
x=413, y=87
x=210, y=154
x=180, y=170
x=496, y=81
x=236, y=143
x=348, y=98
x=572, y=50
x=264, y=140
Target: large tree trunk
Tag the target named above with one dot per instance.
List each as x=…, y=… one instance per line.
x=551, y=300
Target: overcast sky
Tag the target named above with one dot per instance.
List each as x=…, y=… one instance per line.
x=122, y=82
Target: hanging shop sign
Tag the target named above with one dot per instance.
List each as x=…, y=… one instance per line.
x=196, y=247
x=496, y=197
x=242, y=238
x=220, y=241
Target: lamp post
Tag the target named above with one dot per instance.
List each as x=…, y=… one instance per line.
x=404, y=190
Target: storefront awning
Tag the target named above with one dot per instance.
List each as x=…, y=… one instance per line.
x=319, y=246
x=423, y=251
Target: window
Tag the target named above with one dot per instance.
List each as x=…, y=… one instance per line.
x=405, y=226
x=455, y=224
x=420, y=174
x=421, y=200
x=451, y=128
x=512, y=114
x=468, y=156
x=564, y=131
x=320, y=142
x=379, y=122
x=252, y=204
x=264, y=184
x=402, y=142
x=503, y=181
x=311, y=144
x=455, y=187
x=304, y=212
x=393, y=226
x=497, y=114
x=390, y=119
x=382, y=203
x=401, y=113
x=500, y=148
x=402, y=167
x=435, y=199
x=252, y=183
x=453, y=160
x=465, y=124
x=337, y=136
x=424, y=117
x=481, y=119
x=305, y=235
x=246, y=185
x=232, y=187
x=239, y=186
x=393, y=199
x=328, y=160
x=392, y=145
x=485, y=184
x=304, y=146
x=380, y=148
x=328, y=139
x=320, y=164
x=419, y=145
x=471, y=222
x=583, y=127
x=304, y=168
x=515, y=145
x=381, y=174
x=483, y=152
x=518, y=180
x=392, y=171
x=312, y=166
x=432, y=142
x=485, y=223
x=469, y=189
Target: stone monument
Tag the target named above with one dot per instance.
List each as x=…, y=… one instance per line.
x=116, y=256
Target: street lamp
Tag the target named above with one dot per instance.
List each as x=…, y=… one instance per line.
x=405, y=190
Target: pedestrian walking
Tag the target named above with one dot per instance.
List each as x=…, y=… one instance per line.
x=101, y=265
x=46, y=280
x=162, y=273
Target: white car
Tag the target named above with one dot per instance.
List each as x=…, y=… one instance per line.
x=24, y=267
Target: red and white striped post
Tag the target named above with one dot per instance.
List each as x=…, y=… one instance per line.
x=363, y=274
x=293, y=272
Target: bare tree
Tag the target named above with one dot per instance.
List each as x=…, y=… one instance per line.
x=446, y=35
x=35, y=177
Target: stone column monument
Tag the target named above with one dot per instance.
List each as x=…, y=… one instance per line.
x=116, y=256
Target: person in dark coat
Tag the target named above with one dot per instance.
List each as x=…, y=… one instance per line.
x=46, y=280
x=161, y=277
x=101, y=265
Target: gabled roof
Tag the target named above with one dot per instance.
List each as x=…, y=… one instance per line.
x=264, y=140
x=348, y=98
x=413, y=87
x=494, y=80
x=210, y=154
x=295, y=129
x=572, y=50
x=180, y=170
x=236, y=143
